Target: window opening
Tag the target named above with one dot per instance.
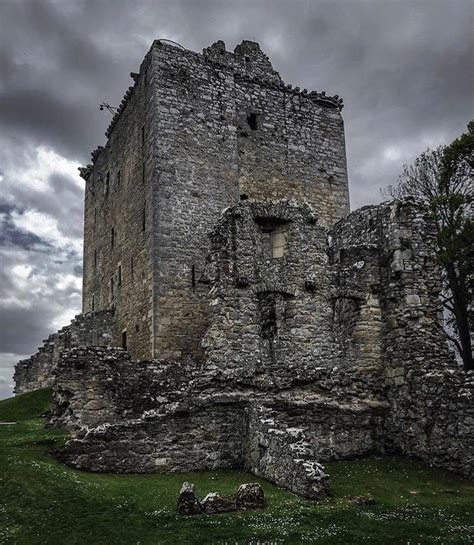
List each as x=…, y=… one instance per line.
x=107, y=184
x=124, y=339
x=143, y=135
x=93, y=303
x=274, y=240
x=112, y=237
x=244, y=197
x=131, y=267
x=119, y=275
x=111, y=289
x=118, y=178
x=193, y=276
x=252, y=120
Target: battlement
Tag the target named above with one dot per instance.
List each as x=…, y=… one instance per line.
x=248, y=62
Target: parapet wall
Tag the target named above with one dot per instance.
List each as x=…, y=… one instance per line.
x=91, y=329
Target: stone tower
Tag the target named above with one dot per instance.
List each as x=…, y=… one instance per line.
x=195, y=134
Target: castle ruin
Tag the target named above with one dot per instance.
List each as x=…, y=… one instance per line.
x=234, y=313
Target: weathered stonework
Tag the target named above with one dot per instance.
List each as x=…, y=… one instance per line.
x=265, y=329
x=91, y=329
x=194, y=135
x=301, y=361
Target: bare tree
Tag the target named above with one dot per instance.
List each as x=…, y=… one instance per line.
x=444, y=179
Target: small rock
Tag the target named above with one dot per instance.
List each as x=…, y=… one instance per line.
x=362, y=500
x=188, y=503
x=250, y=496
x=218, y=503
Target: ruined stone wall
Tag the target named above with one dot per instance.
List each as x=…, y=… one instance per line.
x=388, y=309
x=91, y=329
x=131, y=416
x=432, y=397
x=136, y=416
x=118, y=220
x=271, y=317
x=228, y=127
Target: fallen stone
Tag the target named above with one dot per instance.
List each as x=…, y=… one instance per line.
x=362, y=500
x=250, y=496
x=188, y=503
x=218, y=503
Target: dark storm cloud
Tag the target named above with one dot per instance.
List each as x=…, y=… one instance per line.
x=403, y=67
x=12, y=236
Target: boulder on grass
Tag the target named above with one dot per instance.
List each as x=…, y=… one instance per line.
x=188, y=503
x=218, y=503
x=250, y=496
x=362, y=500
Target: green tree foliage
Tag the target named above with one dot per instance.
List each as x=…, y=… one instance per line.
x=444, y=178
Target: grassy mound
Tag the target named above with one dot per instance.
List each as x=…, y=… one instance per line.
x=44, y=502
x=25, y=406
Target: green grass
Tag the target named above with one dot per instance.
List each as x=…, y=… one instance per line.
x=43, y=502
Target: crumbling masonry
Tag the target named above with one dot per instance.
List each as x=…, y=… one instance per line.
x=260, y=325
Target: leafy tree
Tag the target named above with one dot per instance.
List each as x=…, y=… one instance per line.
x=444, y=178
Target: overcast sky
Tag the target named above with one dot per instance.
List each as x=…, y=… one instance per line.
x=403, y=67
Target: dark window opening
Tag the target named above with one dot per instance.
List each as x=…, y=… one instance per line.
x=268, y=315
x=131, y=267
x=193, y=276
x=118, y=178
x=253, y=121
x=111, y=289
x=107, y=184
x=244, y=197
x=247, y=59
x=119, y=275
x=143, y=135
x=124, y=339
x=93, y=303
x=137, y=328
x=112, y=237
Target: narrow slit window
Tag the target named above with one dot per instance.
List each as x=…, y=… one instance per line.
x=118, y=178
x=193, y=276
x=112, y=237
x=93, y=303
x=253, y=120
x=119, y=275
x=143, y=135
x=111, y=289
x=132, y=267
x=107, y=184
x=124, y=339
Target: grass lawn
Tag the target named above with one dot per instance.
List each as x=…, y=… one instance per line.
x=41, y=501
